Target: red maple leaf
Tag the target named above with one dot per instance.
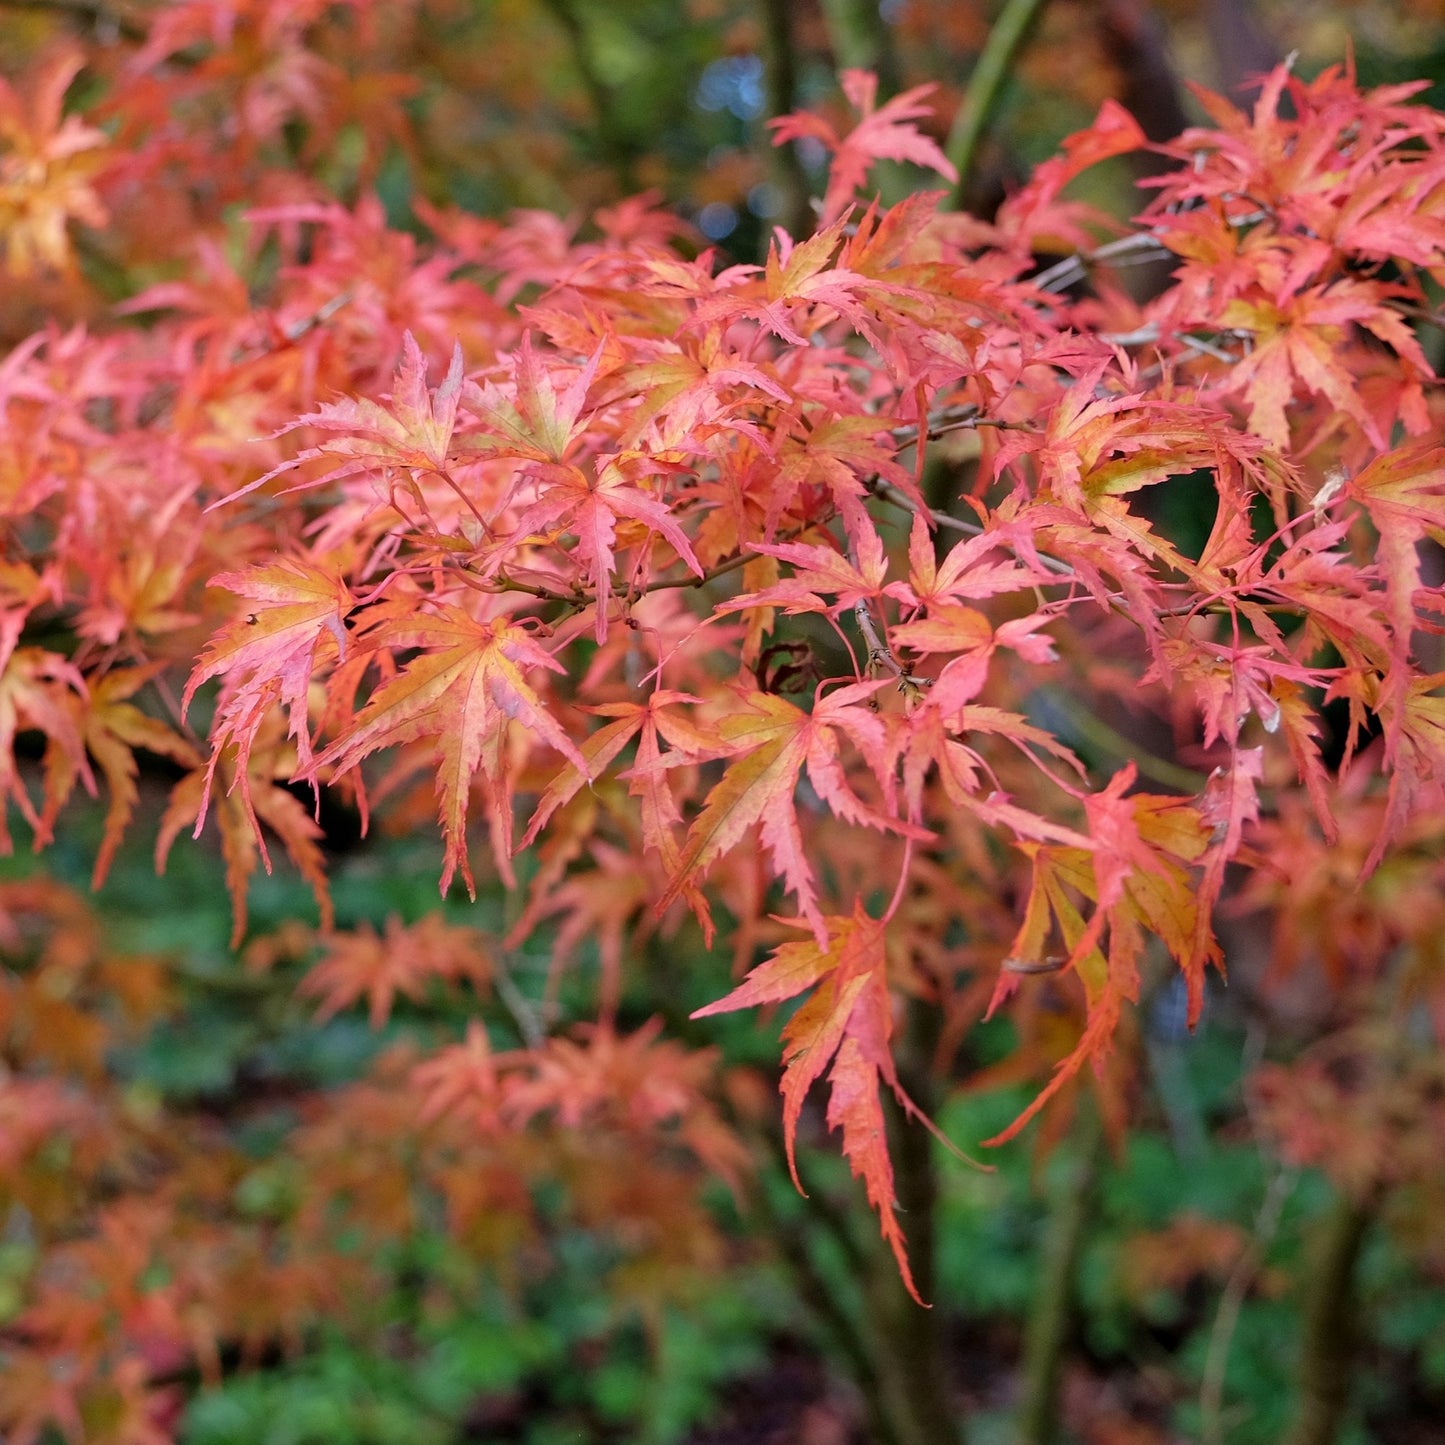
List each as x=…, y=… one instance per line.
x=297, y=615
x=887, y=133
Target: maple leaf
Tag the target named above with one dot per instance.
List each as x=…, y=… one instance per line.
x=796, y=279
x=48, y=163
x=415, y=432
x=1230, y=800
x=402, y=960
x=597, y=905
x=1137, y=871
x=536, y=422
x=37, y=1394
x=297, y=609
x=1296, y=343
x=819, y=569
x=37, y=690
x=1034, y=218
x=1414, y=720
x=973, y=640
x=965, y=571
x=589, y=504
x=464, y=1077
x=839, y=452
x=463, y=692
x=659, y=718
x=239, y=812
x=772, y=741
x=1403, y=492
x=885, y=133
x=637, y=1082
x=687, y=382
x=1300, y=726
x=112, y=727
x=847, y=1021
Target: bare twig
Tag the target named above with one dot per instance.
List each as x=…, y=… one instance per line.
x=1137, y=248
x=524, y=1014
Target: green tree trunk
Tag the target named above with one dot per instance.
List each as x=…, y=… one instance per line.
x=1071, y=1206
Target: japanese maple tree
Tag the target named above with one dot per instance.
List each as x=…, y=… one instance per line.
x=768, y=601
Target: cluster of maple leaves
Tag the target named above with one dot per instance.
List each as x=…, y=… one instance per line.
x=749, y=594
x=154, y=1224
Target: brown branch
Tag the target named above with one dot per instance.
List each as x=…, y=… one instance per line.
x=1327, y=1347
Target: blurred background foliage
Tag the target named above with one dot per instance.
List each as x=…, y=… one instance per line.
x=577, y=1288
x=584, y=1283
x=467, y=108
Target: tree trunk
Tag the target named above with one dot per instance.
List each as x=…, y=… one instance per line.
x=1327, y=1337
x=795, y=212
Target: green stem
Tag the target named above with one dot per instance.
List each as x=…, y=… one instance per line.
x=1071, y=1205
x=985, y=86
x=861, y=40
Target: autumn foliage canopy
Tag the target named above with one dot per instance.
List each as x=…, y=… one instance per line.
x=748, y=601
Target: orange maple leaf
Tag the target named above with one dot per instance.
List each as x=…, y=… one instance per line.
x=464, y=692
x=112, y=727
x=269, y=655
x=773, y=741
x=39, y=690
x=402, y=960
x=47, y=163
x=847, y=1021
x=244, y=805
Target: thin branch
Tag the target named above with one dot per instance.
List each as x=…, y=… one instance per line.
x=1241, y=1277
x=524, y=1015
x=721, y=570
x=1137, y=249
x=880, y=654
x=890, y=493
